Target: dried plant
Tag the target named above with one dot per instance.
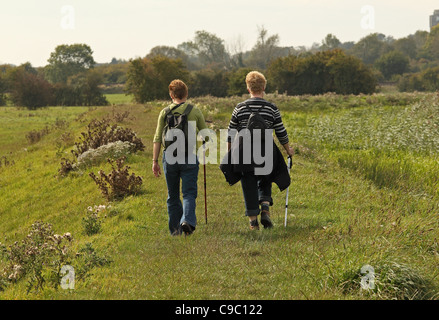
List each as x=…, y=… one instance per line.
x=100, y=132
x=119, y=183
x=5, y=162
x=35, y=135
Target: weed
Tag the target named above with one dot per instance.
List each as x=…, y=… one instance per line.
x=119, y=183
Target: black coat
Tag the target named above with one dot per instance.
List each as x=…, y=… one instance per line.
x=279, y=175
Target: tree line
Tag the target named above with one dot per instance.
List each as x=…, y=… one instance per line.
x=213, y=67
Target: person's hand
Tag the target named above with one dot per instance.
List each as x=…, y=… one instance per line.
x=290, y=151
x=156, y=169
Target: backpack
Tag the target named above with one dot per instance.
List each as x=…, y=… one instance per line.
x=256, y=121
x=176, y=121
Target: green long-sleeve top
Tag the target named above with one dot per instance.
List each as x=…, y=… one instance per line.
x=195, y=115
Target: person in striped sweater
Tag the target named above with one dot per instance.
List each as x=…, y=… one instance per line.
x=256, y=190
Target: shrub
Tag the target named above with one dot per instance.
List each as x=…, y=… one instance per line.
x=112, y=150
x=209, y=82
x=148, y=79
x=91, y=224
x=100, y=133
x=35, y=135
x=119, y=183
x=31, y=91
x=39, y=257
x=329, y=71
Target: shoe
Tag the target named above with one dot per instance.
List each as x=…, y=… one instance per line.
x=254, y=225
x=187, y=228
x=265, y=220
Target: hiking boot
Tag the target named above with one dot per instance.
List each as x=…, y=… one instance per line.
x=265, y=220
x=254, y=225
x=187, y=228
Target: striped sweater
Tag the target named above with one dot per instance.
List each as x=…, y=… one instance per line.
x=270, y=113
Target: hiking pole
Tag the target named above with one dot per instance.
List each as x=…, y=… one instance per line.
x=286, y=201
x=205, y=186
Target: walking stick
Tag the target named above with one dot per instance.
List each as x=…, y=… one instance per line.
x=205, y=188
x=286, y=201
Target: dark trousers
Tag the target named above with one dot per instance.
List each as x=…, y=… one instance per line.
x=256, y=190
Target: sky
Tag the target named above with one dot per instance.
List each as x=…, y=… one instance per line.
x=31, y=29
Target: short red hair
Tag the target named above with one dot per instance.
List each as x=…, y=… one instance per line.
x=178, y=89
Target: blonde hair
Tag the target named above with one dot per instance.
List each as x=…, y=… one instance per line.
x=256, y=82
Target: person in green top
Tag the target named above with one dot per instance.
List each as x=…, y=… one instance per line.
x=182, y=218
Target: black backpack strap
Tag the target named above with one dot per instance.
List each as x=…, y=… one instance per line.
x=168, y=110
x=251, y=111
x=188, y=109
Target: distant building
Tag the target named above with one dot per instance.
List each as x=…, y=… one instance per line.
x=434, y=19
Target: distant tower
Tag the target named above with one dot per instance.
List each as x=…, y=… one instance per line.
x=434, y=19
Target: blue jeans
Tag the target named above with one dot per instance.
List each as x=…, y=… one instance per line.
x=255, y=190
x=178, y=212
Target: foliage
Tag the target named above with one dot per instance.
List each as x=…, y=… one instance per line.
x=29, y=89
x=67, y=61
x=101, y=132
x=113, y=150
x=119, y=183
x=81, y=90
x=236, y=84
x=148, y=79
x=39, y=257
x=209, y=82
x=427, y=80
x=391, y=63
x=329, y=71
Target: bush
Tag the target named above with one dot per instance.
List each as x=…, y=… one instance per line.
x=31, y=91
x=39, y=257
x=148, y=79
x=100, y=133
x=119, y=183
x=329, y=71
x=209, y=82
x=237, y=85
x=428, y=80
x=80, y=90
x=111, y=150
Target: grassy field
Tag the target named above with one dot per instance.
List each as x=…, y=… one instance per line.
x=364, y=192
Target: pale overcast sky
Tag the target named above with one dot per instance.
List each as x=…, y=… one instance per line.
x=31, y=29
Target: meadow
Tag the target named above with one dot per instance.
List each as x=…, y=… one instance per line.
x=364, y=192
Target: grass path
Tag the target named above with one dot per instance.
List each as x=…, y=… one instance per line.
x=338, y=222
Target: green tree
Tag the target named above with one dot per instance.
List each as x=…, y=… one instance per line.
x=2, y=90
x=330, y=42
x=370, y=48
x=236, y=84
x=431, y=46
x=148, y=79
x=391, y=63
x=67, y=61
x=328, y=71
x=265, y=50
x=212, y=82
x=28, y=89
